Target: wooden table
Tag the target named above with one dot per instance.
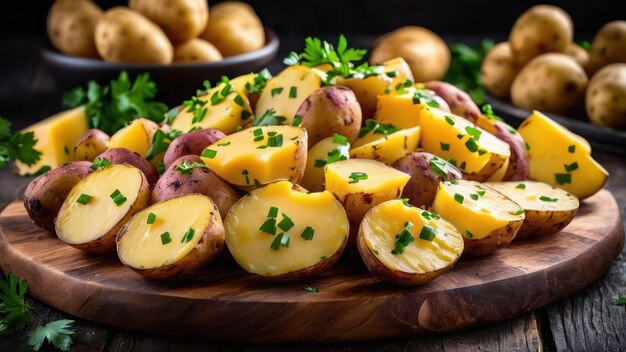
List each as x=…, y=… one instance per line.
x=586, y=321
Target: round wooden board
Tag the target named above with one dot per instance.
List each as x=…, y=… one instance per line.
x=226, y=303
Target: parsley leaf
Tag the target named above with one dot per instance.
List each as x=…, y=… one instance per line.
x=185, y=168
x=15, y=314
x=269, y=118
x=57, y=333
x=259, y=82
x=160, y=141
x=17, y=146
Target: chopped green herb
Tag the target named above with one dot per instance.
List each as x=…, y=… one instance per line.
x=223, y=144
x=339, y=139
x=279, y=240
x=458, y=198
x=245, y=114
x=151, y=218
x=269, y=226
x=357, y=176
x=83, y=199
x=405, y=201
x=239, y=100
x=297, y=121
x=563, y=178
x=474, y=196
x=320, y=163
x=468, y=234
x=260, y=81
x=209, y=153
x=520, y=186
x=312, y=289
x=481, y=151
x=161, y=141
x=341, y=153
x=464, y=71
x=275, y=141
x=308, y=233
x=285, y=224
x=444, y=146
x=449, y=120
x=620, y=301
x=269, y=118
x=391, y=74
x=548, y=199
x=403, y=238
x=188, y=236
x=245, y=173
x=100, y=163
x=462, y=166
x=519, y=212
x=471, y=145
x=165, y=238
x=293, y=92
x=58, y=334
x=439, y=166
x=185, y=168
x=454, y=182
x=377, y=128
x=481, y=193
x=272, y=213
x=571, y=167
x=488, y=112
x=571, y=148
x=428, y=233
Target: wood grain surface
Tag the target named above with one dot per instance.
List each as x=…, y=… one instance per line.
x=225, y=303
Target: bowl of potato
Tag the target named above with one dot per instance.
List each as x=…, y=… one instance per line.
x=180, y=43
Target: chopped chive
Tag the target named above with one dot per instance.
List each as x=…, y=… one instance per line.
x=548, y=199
x=297, y=121
x=100, y=163
x=271, y=133
x=258, y=138
x=272, y=213
x=151, y=218
x=391, y=74
x=481, y=151
x=223, y=144
x=474, y=196
x=293, y=92
x=269, y=226
x=444, y=146
x=428, y=233
x=481, y=193
x=209, y=153
x=238, y=100
x=245, y=173
x=357, y=176
x=521, y=186
x=275, y=141
x=563, y=178
x=528, y=146
x=471, y=145
x=312, y=289
x=458, y=198
x=188, y=236
x=245, y=114
x=519, y=212
x=276, y=91
x=468, y=234
x=460, y=136
x=83, y=199
x=474, y=132
x=432, y=103
x=320, y=163
x=115, y=194
x=165, y=238
x=405, y=201
x=257, y=182
x=118, y=197
x=462, y=166
x=277, y=240
x=571, y=148
x=339, y=139
x=308, y=233
x=257, y=132
x=449, y=120
x=571, y=167
x=454, y=182
x=261, y=147
x=285, y=224
x=403, y=238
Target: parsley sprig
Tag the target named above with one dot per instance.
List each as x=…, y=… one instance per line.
x=259, y=82
x=17, y=146
x=58, y=333
x=15, y=313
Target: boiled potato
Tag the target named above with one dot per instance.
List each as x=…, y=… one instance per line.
x=580, y=55
x=99, y=205
x=259, y=155
x=398, y=69
x=119, y=156
x=280, y=232
x=192, y=143
x=360, y=184
x=221, y=107
x=196, y=50
x=90, y=145
x=44, y=196
x=386, y=148
x=561, y=158
x=547, y=209
x=551, y=82
x=425, y=52
x=402, y=108
x=486, y=218
x=136, y=137
x=71, y=25
x=460, y=103
x=498, y=70
x=606, y=97
x=328, y=111
x=407, y=245
x=476, y=152
x=181, y=20
x=172, y=239
x=124, y=35
x=539, y=30
x=609, y=45
x=234, y=29
x=326, y=151
x=426, y=171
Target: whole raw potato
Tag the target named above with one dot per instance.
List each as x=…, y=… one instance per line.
x=541, y=29
x=609, y=45
x=498, y=70
x=71, y=24
x=551, y=82
x=181, y=20
x=124, y=35
x=196, y=50
x=606, y=97
x=580, y=55
x=425, y=52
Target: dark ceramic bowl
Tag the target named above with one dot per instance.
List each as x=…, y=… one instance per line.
x=175, y=82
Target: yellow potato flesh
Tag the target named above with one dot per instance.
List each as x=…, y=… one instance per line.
x=400, y=67
x=142, y=245
x=82, y=223
x=383, y=181
x=136, y=137
x=382, y=224
x=251, y=247
x=313, y=179
x=240, y=161
x=480, y=217
x=390, y=148
x=527, y=194
x=398, y=109
x=239, y=83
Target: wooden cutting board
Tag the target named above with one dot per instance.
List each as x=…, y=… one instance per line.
x=226, y=303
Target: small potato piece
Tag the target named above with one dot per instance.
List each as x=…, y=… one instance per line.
x=498, y=70
x=196, y=50
x=189, y=175
x=459, y=102
x=71, y=24
x=486, y=218
x=403, y=108
x=386, y=148
x=328, y=111
x=425, y=52
x=426, y=171
x=136, y=137
x=517, y=165
x=234, y=29
x=423, y=259
x=99, y=205
x=90, y=145
x=609, y=45
x=259, y=155
x=580, y=55
x=185, y=235
x=124, y=35
x=366, y=90
x=119, y=156
x=192, y=143
x=282, y=233
x=548, y=209
x=606, y=97
x=326, y=151
x=551, y=82
x=181, y=20
x=360, y=184
x=45, y=195
x=539, y=30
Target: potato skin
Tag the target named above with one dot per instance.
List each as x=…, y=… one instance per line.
x=71, y=25
x=518, y=168
x=124, y=35
x=552, y=83
x=498, y=70
x=234, y=29
x=314, y=270
x=609, y=45
x=580, y=55
x=90, y=145
x=45, y=195
x=421, y=188
x=459, y=102
x=192, y=143
x=119, y=156
x=181, y=20
x=606, y=97
x=541, y=29
x=196, y=50
x=539, y=223
x=200, y=180
x=495, y=240
x=328, y=111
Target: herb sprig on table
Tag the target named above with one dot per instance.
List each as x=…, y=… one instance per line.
x=464, y=69
x=17, y=146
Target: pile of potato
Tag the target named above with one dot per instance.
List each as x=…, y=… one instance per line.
x=155, y=31
x=541, y=68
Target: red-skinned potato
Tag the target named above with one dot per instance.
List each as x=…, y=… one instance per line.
x=192, y=143
x=118, y=156
x=517, y=168
x=93, y=143
x=459, y=102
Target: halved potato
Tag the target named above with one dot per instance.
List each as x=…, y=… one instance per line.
x=403, y=107
x=326, y=151
x=136, y=137
x=259, y=155
x=90, y=145
x=281, y=232
x=386, y=148
x=173, y=238
x=486, y=218
x=99, y=205
x=548, y=209
x=407, y=245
